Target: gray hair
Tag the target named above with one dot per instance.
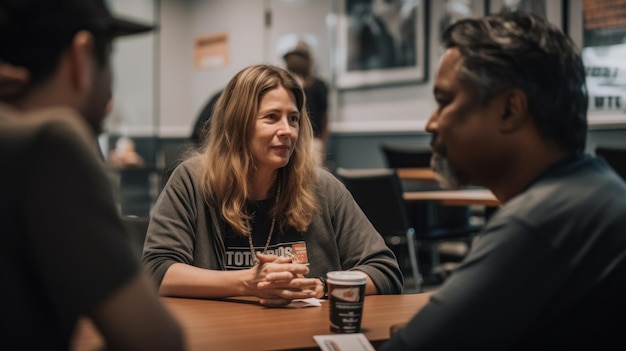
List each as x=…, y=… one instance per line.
x=523, y=51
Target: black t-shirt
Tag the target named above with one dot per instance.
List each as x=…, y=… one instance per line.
x=317, y=104
x=63, y=250
x=201, y=125
x=547, y=272
x=283, y=242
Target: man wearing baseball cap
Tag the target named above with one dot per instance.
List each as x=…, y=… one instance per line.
x=299, y=61
x=64, y=253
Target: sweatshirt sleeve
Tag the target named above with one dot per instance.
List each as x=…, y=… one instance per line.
x=171, y=233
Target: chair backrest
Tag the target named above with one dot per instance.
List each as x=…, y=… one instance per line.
x=406, y=156
x=379, y=194
x=136, y=228
x=425, y=215
x=615, y=157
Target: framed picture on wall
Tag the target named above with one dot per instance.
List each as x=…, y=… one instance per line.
x=552, y=10
x=380, y=42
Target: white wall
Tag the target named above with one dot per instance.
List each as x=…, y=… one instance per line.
x=243, y=20
x=184, y=89
x=159, y=92
x=174, y=69
x=379, y=109
x=134, y=77
x=294, y=20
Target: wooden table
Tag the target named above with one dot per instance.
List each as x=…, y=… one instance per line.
x=245, y=325
x=464, y=197
x=421, y=174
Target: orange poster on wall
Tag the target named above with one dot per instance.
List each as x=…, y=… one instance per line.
x=211, y=51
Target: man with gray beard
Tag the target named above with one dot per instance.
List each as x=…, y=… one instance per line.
x=547, y=272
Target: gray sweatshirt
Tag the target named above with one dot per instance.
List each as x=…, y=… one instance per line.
x=184, y=229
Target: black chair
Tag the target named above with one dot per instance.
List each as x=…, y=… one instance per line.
x=432, y=222
x=379, y=194
x=136, y=229
x=615, y=157
x=406, y=156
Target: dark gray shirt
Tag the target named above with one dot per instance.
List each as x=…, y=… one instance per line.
x=63, y=246
x=547, y=272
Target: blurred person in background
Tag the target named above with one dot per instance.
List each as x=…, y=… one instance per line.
x=299, y=61
x=201, y=125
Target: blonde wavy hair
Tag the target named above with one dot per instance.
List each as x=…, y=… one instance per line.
x=227, y=162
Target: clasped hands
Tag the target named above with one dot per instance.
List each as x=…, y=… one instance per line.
x=279, y=280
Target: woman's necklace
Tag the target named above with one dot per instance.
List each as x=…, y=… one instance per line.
x=269, y=235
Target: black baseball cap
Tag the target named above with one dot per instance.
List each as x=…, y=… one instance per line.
x=37, y=19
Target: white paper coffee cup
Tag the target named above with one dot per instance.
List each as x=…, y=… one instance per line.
x=346, y=292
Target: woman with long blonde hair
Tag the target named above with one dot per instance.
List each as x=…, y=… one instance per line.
x=252, y=214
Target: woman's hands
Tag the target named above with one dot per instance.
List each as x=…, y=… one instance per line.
x=278, y=280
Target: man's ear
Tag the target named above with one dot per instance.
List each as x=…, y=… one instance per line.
x=81, y=61
x=514, y=110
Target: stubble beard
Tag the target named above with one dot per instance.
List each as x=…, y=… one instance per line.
x=446, y=174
